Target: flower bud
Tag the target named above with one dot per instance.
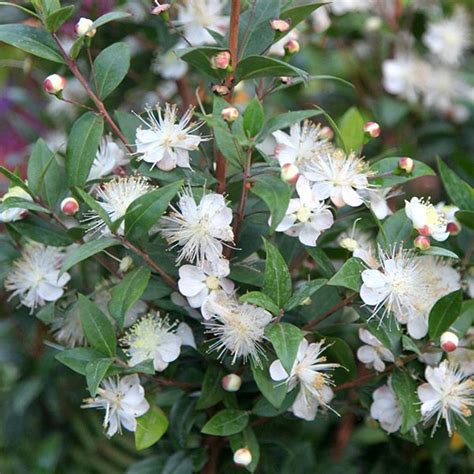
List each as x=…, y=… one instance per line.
x=422, y=242
x=286, y=80
x=406, y=164
x=292, y=46
x=372, y=129
x=280, y=25
x=160, y=8
x=449, y=341
x=453, y=228
x=83, y=28
x=230, y=114
x=326, y=132
x=125, y=264
x=242, y=457
x=219, y=89
x=54, y=84
x=231, y=383
x=69, y=206
x=290, y=173
x=221, y=60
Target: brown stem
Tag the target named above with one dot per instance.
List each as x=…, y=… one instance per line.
x=334, y=309
x=185, y=92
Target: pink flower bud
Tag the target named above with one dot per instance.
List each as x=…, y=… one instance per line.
x=231, y=383
x=54, y=84
x=453, y=228
x=286, y=80
x=290, y=173
x=422, y=242
x=160, y=8
x=449, y=341
x=406, y=164
x=69, y=206
x=219, y=89
x=242, y=457
x=221, y=60
x=280, y=25
x=83, y=28
x=230, y=114
x=372, y=129
x=292, y=46
x=326, y=132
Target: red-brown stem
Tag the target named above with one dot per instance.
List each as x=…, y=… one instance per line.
x=185, y=92
x=334, y=309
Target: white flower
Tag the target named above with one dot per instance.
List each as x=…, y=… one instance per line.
x=449, y=213
x=14, y=213
x=426, y=219
x=200, y=228
x=152, y=338
x=309, y=371
x=238, y=328
x=377, y=201
x=340, y=177
x=374, y=353
x=386, y=409
x=115, y=197
x=167, y=141
x=447, y=394
x=34, y=277
x=168, y=65
x=449, y=38
x=340, y=7
x=306, y=216
x=108, y=158
x=197, y=282
x=304, y=144
x=67, y=329
x=320, y=20
x=196, y=17
x=123, y=401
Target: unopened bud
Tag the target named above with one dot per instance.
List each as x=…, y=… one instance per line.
x=453, y=228
x=242, y=457
x=220, y=89
x=406, y=164
x=54, y=84
x=286, y=80
x=125, y=264
x=422, y=242
x=326, y=132
x=372, y=129
x=83, y=28
x=280, y=25
x=290, y=173
x=231, y=383
x=160, y=8
x=292, y=46
x=69, y=206
x=449, y=341
x=230, y=114
x=221, y=60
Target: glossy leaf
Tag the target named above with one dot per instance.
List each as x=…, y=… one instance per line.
x=404, y=387
x=254, y=67
x=349, y=275
x=212, y=391
x=285, y=339
x=459, y=192
x=276, y=279
x=305, y=292
x=254, y=117
x=95, y=372
x=387, y=173
x=260, y=299
x=150, y=428
x=227, y=422
x=444, y=313
x=352, y=129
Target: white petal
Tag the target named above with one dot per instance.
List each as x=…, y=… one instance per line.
x=277, y=372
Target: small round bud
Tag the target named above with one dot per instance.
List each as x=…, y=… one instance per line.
x=83, y=28
x=372, y=129
x=290, y=173
x=292, y=46
x=449, y=341
x=160, y=8
x=220, y=89
x=125, y=264
x=231, y=383
x=422, y=242
x=453, y=228
x=69, y=206
x=406, y=164
x=373, y=23
x=54, y=84
x=280, y=25
x=326, y=132
x=286, y=80
x=221, y=60
x=242, y=457
x=230, y=114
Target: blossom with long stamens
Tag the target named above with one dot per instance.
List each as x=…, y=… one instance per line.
x=426, y=219
x=108, y=158
x=373, y=353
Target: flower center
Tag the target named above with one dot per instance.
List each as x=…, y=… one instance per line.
x=303, y=214
x=212, y=282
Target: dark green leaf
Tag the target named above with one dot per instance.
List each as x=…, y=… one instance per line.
x=58, y=17
x=285, y=339
x=128, y=124
x=200, y=58
x=466, y=431
x=459, y=192
x=40, y=231
x=295, y=16
x=108, y=17
x=349, y=275
x=466, y=218
x=15, y=180
x=444, y=313
x=94, y=205
x=95, y=372
x=352, y=129
x=276, y=279
x=323, y=263
x=46, y=313
x=254, y=117
x=227, y=422
x=409, y=345
x=396, y=229
x=212, y=391
x=19, y=203
x=339, y=351
x=274, y=392
x=260, y=299
x=304, y=293
x=387, y=173
x=150, y=428
x=78, y=358
x=254, y=67
x=405, y=388
x=439, y=252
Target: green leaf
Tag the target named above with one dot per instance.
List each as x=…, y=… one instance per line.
x=260, y=299
x=19, y=203
x=145, y=211
x=46, y=177
x=387, y=173
x=20, y=7
x=31, y=40
x=55, y=20
x=150, y=428
x=98, y=329
x=111, y=67
x=200, y=58
x=15, y=180
x=323, y=263
x=128, y=124
x=459, y=192
x=396, y=229
x=94, y=205
x=87, y=250
x=439, y=252
x=254, y=118
x=254, y=67
x=466, y=218
x=405, y=389
x=285, y=339
x=46, y=313
x=465, y=319
x=95, y=372
x=466, y=431
x=304, y=293
x=276, y=279
x=276, y=195
x=444, y=313
x=78, y=358
x=127, y=293
x=338, y=350
x=247, y=439
x=211, y=391
x=245, y=274
x=352, y=129
x=274, y=392
x=409, y=345
x=349, y=275
x=227, y=422
x=295, y=16
x=108, y=17
x=40, y=231
x=82, y=146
